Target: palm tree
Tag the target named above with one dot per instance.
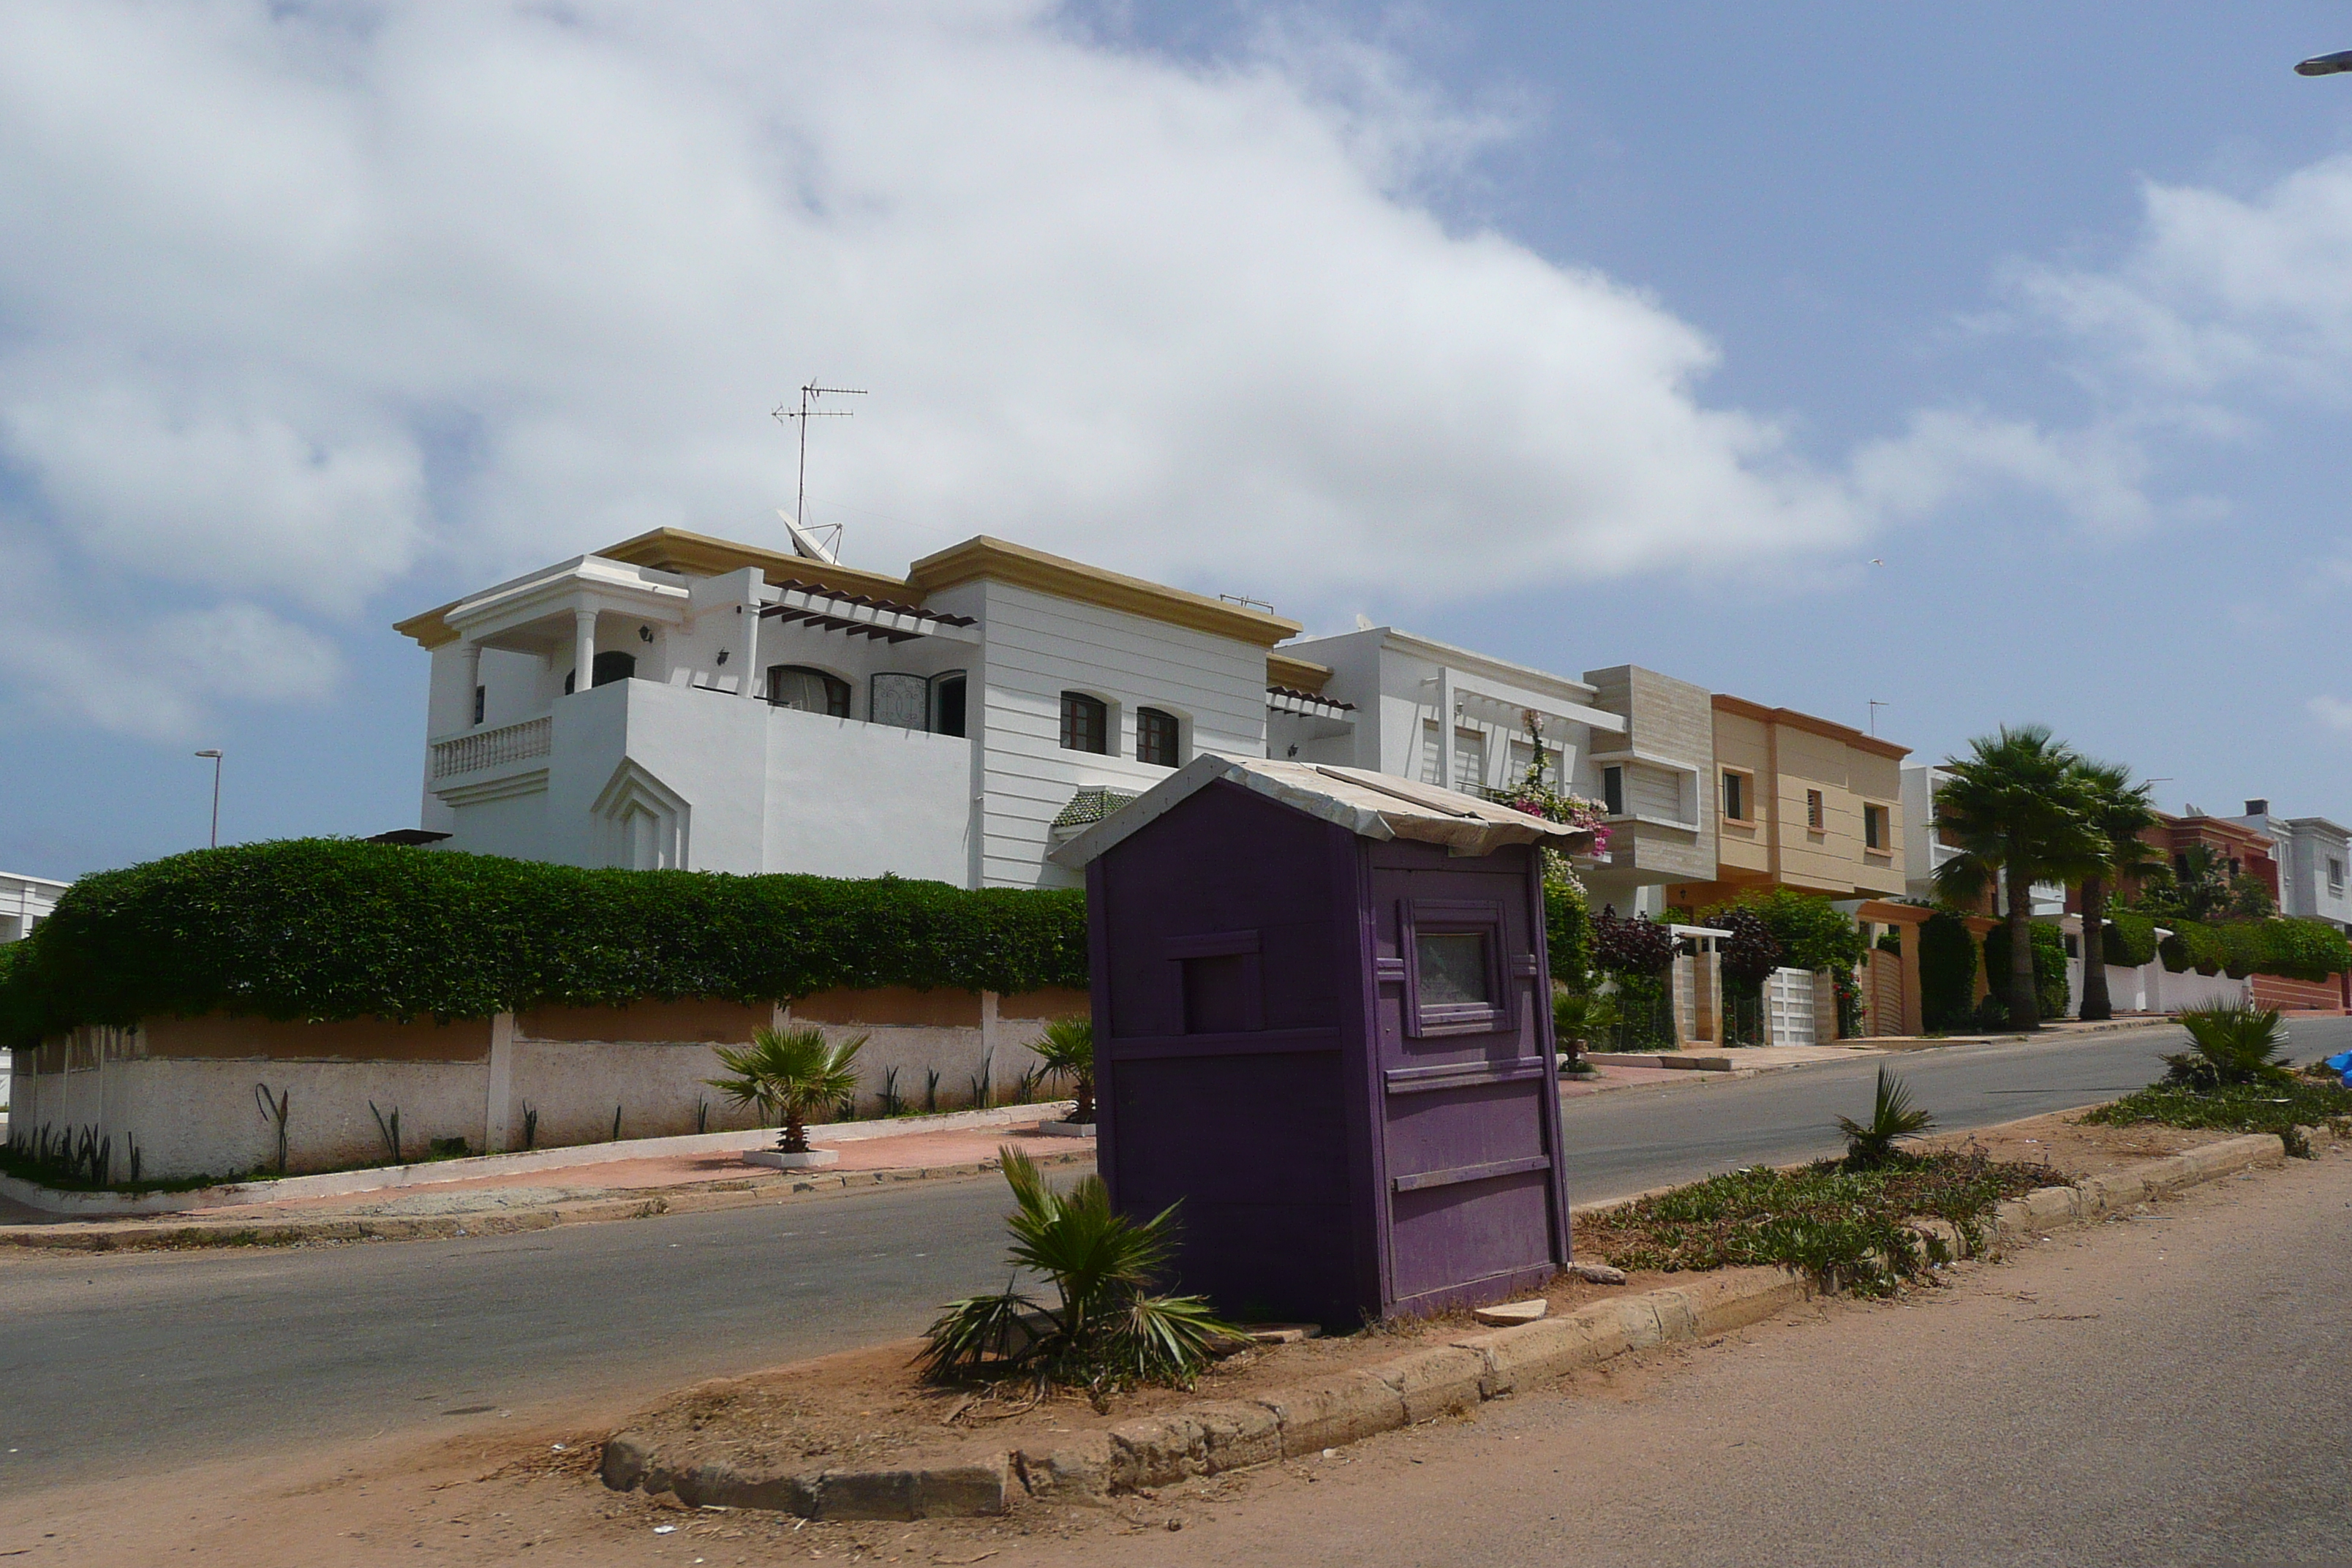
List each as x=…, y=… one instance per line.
x=790, y=1073
x=2017, y=809
x=2119, y=811
x=1069, y=1051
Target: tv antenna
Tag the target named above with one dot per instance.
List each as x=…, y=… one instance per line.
x=1875, y=706
x=803, y=540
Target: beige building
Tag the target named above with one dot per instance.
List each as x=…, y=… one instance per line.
x=1800, y=803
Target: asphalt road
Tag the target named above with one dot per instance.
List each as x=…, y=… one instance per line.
x=114, y=1365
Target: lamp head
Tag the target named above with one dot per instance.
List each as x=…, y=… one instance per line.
x=214, y=755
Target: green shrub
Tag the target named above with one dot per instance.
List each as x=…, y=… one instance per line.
x=2245, y=948
x=1948, y=970
x=2193, y=946
x=2229, y=1047
x=2129, y=940
x=2298, y=948
x=2050, y=991
x=1812, y=933
x=1568, y=934
x=329, y=929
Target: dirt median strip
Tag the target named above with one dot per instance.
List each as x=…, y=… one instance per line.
x=163, y=1236
x=1215, y=1437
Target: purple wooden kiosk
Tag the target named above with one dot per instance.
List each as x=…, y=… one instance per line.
x=1322, y=1021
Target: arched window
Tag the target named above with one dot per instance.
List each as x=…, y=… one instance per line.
x=1156, y=738
x=810, y=690
x=1086, y=724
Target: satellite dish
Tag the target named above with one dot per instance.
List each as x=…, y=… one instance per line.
x=804, y=543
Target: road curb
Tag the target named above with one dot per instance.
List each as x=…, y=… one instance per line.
x=150, y=1236
x=1308, y=1418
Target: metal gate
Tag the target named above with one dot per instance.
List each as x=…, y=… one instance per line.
x=1789, y=1007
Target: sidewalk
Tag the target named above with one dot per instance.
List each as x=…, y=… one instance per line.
x=528, y=1200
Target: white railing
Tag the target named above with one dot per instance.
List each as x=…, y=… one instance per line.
x=492, y=747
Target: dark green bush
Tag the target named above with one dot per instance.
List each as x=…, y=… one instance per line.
x=2049, y=992
x=329, y=929
x=1947, y=971
x=2193, y=946
x=2129, y=940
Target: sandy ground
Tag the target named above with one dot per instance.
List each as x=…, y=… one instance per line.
x=489, y=1492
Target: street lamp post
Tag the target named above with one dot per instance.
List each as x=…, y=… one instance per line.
x=216, y=756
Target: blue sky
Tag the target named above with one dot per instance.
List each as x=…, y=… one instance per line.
x=1577, y=333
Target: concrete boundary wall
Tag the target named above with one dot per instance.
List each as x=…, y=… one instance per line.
x=187, y=1094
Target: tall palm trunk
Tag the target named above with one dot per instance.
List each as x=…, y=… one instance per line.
x=2095, y=1002
x=2023, y=1013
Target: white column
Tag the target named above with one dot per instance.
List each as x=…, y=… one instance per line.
x=500, y=1089
x=473, y=681
x=747, y=646
x=1445, y=729
x=583, y=649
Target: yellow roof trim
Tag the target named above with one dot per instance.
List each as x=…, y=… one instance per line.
x=984, y=557
x=1295, y=674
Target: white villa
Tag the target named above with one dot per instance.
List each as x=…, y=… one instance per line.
x=2311, y=854
x=25, y=902
x=750, y=710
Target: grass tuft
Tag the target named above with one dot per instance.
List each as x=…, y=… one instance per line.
x=2282, y=1109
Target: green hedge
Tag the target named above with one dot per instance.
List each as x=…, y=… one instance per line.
x=2050, y=990
x=2193, y=946
x=2128, y=940
x=2295, y=948
x=329, y=929
x=1812, y=933
x=1947, y=971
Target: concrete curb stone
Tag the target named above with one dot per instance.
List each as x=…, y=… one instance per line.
x=1328, y=1412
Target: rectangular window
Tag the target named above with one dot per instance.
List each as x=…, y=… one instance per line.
x=1453, y=968
x=1613, y=791
x=1813, y=812
x=1086, y=724
x=1155, y=738
x=1454, y=981
x=481, y=701
x=2334, y=876
x=1873, y=828
x=1735, y=796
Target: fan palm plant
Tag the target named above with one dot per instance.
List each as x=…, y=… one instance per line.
x=1069, y=1051
x=2229, y=1046
x=1106, y=1326
x=2117, y=812
x=789, y=1074
x=2017, y=808
x=1892, y=1118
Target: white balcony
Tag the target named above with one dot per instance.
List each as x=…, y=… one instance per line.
x=485, y=750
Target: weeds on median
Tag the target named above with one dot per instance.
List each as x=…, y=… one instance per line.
x=1848, y=1229
x=2283, y=1110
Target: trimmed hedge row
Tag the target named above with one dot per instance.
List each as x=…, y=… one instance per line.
x=2128, y=940
x=331, y=929
x=1947, y=971
x=2292, y=947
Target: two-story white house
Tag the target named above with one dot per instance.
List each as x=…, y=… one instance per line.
x=678, y=701
x=2313, y=856
x=25, y=902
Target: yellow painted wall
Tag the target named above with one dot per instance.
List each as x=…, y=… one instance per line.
x=1783, y=846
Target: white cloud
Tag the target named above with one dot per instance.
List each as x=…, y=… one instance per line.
x=2220, y=294
x=155, y=676
x=299, y=297
x=2332, y=713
